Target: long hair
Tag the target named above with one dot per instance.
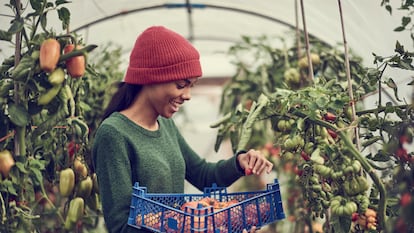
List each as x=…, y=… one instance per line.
x=122, y=98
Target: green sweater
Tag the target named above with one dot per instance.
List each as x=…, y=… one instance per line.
x=125, y=153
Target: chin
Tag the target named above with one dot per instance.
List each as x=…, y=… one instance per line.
x=168, y=115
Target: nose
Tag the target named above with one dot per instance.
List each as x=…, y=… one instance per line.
x=187, y=93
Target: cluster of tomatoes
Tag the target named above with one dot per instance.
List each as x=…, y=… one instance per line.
x=332, y=181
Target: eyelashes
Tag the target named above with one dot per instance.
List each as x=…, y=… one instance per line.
x=184, y=83
x=180, y=86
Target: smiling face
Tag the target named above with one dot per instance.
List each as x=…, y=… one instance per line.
x=166, y=98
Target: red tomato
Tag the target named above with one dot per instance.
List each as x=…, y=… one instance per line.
x=405, y=199
x=330, y=116
x=49, y=54
x=75, y=65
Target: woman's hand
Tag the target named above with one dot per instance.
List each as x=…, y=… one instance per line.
x=253, y=230
x=255, y=161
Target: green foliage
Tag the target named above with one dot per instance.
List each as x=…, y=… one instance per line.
x=383, y=132
x=43, y=138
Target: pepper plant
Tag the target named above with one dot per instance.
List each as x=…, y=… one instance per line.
x=47, y=185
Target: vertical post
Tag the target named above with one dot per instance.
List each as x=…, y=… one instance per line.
x=298, y=38
x=306, y=41
x=190, y=21
x=348, y=75
x=19, y=147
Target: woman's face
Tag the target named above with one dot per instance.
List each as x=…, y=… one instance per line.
x=167, y=98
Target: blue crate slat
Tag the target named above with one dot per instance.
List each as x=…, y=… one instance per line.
x=163, y=212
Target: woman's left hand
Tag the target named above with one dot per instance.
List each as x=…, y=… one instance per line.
x=255, y=161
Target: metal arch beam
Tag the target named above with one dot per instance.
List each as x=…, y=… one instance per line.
x=189, y=5
x=190, y=20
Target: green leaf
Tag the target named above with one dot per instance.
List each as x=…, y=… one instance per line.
x=64, y=16
x=399, y=48
x=49, y=5
x=4, y=129
x=10, y=187
x=338, y=104
x=322, y=101
x=18, y=115
x=37, y=164
x=60, y=2
x=390, y=83
x=5, y=35
x=405, y=64
x=43, y=21
x=389, y=9
x=21, y=167
x=36, y=5
x=399, y=29
x=389, y=108
x=405, y=20
x=381, y=156
x=38, y=178
x=16, y=26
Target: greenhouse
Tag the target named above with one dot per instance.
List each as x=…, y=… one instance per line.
x=207, y=116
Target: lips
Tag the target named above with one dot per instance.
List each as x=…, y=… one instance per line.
x=175, y=105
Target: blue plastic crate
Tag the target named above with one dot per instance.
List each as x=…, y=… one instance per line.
x=173, y=213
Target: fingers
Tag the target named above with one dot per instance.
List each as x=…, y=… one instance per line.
x=253, y=230
x=258, y=162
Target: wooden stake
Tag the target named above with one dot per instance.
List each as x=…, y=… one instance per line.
x=348, y=76
x=307, y=41
x=297, y=31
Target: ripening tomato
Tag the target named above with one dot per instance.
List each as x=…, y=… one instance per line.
x=305, y=155
x=405, y=199
x=333, y=134
x=49, y=54
x=329, y=116
x=75, y=65
x=6, y=162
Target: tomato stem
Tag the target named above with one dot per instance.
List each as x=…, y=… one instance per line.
x=78, y=52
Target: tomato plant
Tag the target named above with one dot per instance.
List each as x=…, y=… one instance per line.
x=334, y=161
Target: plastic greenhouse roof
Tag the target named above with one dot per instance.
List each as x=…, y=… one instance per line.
x=214, y=25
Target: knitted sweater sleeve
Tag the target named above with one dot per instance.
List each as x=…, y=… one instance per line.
x=113, y=170
x=201, y=173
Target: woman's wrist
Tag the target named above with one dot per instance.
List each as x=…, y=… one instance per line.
x=238, y=162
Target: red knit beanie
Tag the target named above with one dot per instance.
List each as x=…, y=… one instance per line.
x=161, y=55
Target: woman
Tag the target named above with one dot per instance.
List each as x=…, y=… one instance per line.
x=139, y=142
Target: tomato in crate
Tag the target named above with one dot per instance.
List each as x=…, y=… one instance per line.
x=213, y=211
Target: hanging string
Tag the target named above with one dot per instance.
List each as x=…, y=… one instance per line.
x=298, y=39
x=348, y=75
x=308, y=55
